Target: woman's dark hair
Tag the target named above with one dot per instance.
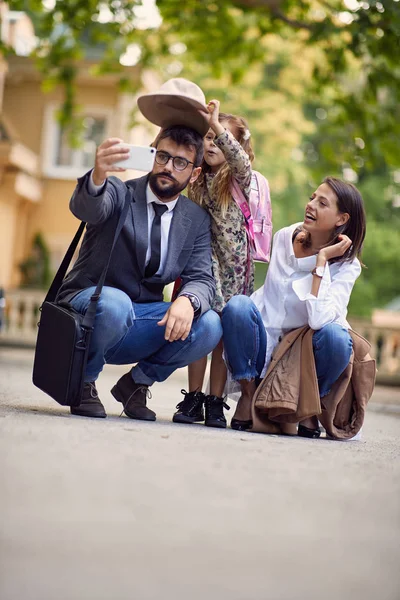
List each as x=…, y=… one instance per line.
x=183, y=136
x=349, y=200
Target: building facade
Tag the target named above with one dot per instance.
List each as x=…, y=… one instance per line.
x=38, y=167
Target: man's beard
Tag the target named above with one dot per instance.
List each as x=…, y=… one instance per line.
x=167, y=191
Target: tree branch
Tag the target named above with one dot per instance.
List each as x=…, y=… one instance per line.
x=292, y=22
x=274, y=8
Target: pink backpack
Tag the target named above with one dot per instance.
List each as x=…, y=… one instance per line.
x=257, y=214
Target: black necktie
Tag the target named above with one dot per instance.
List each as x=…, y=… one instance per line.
x=155, y=240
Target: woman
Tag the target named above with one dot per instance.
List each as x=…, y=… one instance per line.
x=313, y=268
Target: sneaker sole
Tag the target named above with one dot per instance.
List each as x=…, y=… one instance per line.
x=216, y=424
x=186, y=420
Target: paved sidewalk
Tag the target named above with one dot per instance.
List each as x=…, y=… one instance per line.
x=117, y=509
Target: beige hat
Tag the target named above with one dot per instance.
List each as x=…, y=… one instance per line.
x=177, y=102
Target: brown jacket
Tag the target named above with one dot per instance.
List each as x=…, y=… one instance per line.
x=289, y=391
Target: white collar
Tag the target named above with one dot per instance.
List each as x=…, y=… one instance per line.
x=151, y=197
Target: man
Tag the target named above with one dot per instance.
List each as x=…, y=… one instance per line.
x=133, y=324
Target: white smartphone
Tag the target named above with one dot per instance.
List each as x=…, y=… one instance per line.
x=141, y=158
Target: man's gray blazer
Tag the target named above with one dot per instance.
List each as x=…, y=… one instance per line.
x=189, y=245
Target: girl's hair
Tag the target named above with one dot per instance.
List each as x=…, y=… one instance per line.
x=222, y=182
x=349, y=200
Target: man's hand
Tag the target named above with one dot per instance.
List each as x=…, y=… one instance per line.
x=107, y=155
x=178, y=320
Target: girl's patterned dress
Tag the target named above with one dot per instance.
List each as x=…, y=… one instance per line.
x=233, y=272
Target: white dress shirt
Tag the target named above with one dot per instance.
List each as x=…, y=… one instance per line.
x=166, y=218
x=285, y=300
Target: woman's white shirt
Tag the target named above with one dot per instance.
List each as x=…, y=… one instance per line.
x=285, y=300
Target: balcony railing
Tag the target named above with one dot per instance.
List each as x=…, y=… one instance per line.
x=19, y=318
x=385, y=348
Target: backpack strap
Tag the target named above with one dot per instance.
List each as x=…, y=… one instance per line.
x=241, y=201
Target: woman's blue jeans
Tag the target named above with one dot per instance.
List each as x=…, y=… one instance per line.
x=126, y=332
x=245, y=344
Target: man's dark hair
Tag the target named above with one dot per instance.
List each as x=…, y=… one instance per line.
x=184, y=136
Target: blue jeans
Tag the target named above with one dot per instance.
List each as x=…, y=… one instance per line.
x=243, y=329
x=126, y=332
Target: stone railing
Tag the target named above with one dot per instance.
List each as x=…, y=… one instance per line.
x=385, y=348
x=21, y=315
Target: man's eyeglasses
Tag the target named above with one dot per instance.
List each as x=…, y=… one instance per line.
x=178, y=162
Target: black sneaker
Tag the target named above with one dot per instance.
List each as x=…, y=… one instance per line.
x=215, y=412
x=190, y=410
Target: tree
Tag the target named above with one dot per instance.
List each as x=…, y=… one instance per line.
x=35, y=270
x=356, y=40
x=299, y=139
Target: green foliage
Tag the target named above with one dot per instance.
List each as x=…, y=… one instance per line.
x=379, y=282
x=35, y=270
x=355, y=50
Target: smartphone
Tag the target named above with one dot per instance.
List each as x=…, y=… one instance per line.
x=141, y=158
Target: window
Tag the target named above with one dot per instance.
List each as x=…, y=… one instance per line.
x=59, y=159
x=93, y=134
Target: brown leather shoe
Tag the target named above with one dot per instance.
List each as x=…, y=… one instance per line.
x=133, y=397
x=90, y=405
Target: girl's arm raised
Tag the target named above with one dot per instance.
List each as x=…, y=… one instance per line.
x=236, y=157
x=237, y=160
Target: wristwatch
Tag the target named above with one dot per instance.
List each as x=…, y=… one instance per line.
x=194, y=301
x=318, y=271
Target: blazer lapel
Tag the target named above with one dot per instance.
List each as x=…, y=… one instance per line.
x=180, y=227
x=139, y=219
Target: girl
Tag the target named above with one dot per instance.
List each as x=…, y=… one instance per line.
x=313, y=268
x=227, y=154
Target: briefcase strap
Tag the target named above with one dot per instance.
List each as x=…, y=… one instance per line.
x=90, y=314
x=62, y=269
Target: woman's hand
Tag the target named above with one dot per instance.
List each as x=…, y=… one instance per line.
x=334, y=251
x=213, y=109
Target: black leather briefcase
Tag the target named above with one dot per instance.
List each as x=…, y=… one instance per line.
x=61, y=353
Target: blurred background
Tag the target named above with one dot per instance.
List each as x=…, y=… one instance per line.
x=317, y=80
